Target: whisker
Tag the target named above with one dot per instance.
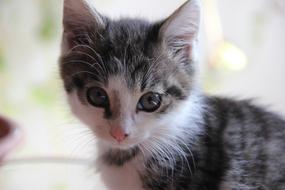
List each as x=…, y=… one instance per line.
x=87, y=54
x=101, y=64
x=92, y=65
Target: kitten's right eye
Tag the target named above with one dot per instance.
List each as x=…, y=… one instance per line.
x=97, y=97
x=149, y=102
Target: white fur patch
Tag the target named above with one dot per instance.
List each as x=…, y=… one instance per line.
x=122, y=178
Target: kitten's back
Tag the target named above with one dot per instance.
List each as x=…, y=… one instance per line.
x=250, y=141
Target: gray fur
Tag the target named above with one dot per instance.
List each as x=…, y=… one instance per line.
x=241, y=145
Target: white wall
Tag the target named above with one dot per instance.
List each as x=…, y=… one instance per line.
x=258, y=27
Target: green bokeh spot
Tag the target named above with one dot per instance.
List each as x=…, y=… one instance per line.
x=60, y=186
x=47, y=31
x=43, y=95
x=8, y=109
x=2, y=61
x=48, y=27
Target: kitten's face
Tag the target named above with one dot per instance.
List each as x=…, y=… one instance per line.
x=128, y=80
x=134, y=112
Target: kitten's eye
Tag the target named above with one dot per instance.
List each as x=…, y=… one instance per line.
x=97, y=97
x=149, y=102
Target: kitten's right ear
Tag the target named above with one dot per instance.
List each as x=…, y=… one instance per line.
x=79, y=16
x=179, y=31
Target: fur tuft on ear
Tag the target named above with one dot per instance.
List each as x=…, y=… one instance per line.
x=180, y=30
x=78, y=17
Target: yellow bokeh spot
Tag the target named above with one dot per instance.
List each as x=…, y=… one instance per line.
x=228, y=56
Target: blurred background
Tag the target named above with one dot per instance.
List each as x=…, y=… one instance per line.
x=242, y=56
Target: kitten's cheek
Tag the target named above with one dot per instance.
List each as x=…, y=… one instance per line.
x=99, y=131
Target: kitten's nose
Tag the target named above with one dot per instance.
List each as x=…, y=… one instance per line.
x=119, y=134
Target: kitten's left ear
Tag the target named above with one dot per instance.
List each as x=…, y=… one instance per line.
x=179, y=31
x=79, y=16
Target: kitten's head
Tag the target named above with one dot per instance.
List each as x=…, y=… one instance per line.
x=129, y=80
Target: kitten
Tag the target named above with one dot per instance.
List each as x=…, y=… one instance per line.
x=134, y=84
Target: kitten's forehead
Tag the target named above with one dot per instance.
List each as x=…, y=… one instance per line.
x=136, y=33
x=119, y=86
x=128, y=49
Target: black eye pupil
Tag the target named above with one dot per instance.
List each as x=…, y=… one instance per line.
x=97, y=97
x=149, y=102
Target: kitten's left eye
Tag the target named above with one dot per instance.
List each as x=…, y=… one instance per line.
x=97, y=97
x=149, y=102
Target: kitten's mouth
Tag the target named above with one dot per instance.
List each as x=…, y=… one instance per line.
x=123, y=145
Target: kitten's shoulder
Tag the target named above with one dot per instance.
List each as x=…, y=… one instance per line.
x=235, y=105
x=230, y=114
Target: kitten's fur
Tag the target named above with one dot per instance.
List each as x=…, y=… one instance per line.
x=192, y=141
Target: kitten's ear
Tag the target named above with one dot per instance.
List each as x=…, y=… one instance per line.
x=179, y=31
x=79, y=16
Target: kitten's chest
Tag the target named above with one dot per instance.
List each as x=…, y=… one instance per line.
x=122, y=178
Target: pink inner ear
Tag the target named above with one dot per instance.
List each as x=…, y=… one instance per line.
x=182, y=43
x=181, y=28
x=188, y=50
x=68, y=41
x=80, y=13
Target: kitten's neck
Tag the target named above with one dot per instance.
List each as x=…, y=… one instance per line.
x=115, y=156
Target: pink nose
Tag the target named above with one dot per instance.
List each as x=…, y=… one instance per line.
x=119, y=134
